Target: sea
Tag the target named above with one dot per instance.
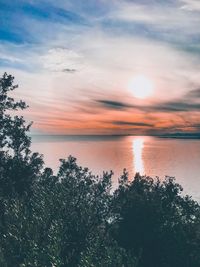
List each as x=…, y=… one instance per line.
x=151, y=156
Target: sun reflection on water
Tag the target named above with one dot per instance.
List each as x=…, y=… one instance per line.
x=138, y=145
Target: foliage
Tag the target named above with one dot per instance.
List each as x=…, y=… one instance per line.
x=72, y=219
x=157, y=223
x=19, y=168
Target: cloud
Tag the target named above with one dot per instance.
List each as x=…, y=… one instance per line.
x=174, y=106
x=157, y=20
x=29, y=21
x=69, y=70
x=61, y=60
x=191, y=5
x=193, y=93
x=129, y=123
x=102, y=45
x=45, y=11
x=111, y=104
x=9, y=58
x=177, y=105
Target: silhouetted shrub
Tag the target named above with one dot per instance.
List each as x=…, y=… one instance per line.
x=157, y=223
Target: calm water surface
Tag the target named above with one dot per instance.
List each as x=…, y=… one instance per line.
x=148, y=155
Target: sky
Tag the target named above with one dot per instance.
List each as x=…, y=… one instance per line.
x=78, y=64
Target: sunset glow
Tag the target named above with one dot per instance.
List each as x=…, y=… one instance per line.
x=105, y=67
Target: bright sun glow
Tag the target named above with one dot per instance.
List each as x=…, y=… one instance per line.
x=141, y=87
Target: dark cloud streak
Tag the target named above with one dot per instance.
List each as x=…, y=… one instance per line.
x=69, y=70
x=174, y=106
x=180, y=105
x=128, y=123
x=193, y=93
x=113, y=104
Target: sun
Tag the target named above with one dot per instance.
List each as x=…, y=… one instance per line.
x=141, y=87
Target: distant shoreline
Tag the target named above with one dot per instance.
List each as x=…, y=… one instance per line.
x=172, y=136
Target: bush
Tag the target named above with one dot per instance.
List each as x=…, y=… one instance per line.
x=157, y=223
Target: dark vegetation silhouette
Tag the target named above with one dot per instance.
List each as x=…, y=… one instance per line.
x=73, y=219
